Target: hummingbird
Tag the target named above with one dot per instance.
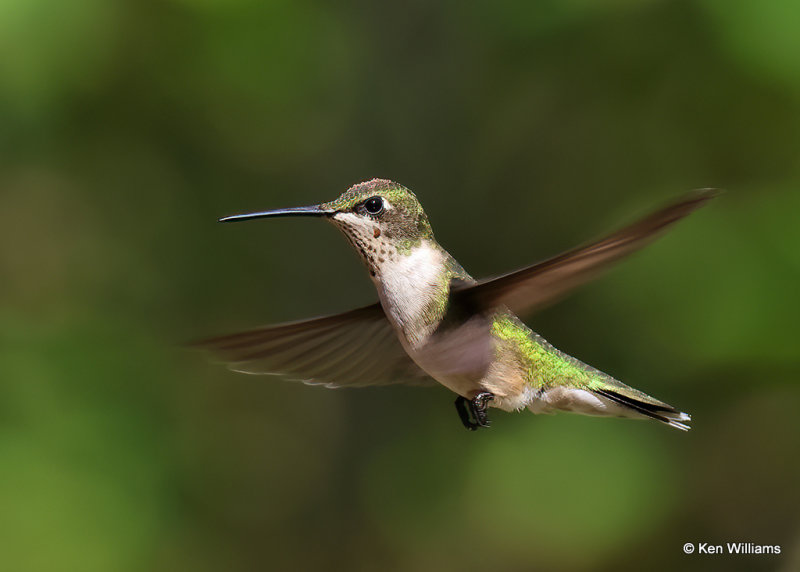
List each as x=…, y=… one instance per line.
x=433, y=323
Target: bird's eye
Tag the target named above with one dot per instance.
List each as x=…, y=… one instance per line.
x=373, y=205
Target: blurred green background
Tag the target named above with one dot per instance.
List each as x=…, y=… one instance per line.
x=127, y=127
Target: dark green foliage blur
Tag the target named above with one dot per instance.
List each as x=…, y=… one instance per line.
x=128, y=127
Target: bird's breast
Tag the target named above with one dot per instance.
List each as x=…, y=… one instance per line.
x=413, y=289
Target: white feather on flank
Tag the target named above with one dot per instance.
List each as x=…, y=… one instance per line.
x=587, y=402
x=561, y=398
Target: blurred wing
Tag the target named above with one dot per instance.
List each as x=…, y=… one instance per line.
x=463, y=351
x=543, y=283
x=352, y=349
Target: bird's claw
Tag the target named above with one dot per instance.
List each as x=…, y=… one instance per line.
x=472, y=412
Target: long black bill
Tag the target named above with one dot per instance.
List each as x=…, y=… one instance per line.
x=314, y=210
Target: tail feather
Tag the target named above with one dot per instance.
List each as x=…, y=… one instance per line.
x=650, y=407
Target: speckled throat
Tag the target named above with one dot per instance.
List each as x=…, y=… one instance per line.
x=369, y=240
x=412, y=277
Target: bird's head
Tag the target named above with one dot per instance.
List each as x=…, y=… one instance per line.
x=382, y=219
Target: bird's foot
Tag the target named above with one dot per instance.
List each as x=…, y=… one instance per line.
x=463, y=413
x=472, y=412
x=479, y=406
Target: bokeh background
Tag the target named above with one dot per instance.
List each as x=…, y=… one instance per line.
x=127, y=127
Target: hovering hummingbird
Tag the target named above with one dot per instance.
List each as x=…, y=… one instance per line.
x=434, y=323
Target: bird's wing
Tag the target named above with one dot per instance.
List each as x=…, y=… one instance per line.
x=352, y=349
x=536, y=286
